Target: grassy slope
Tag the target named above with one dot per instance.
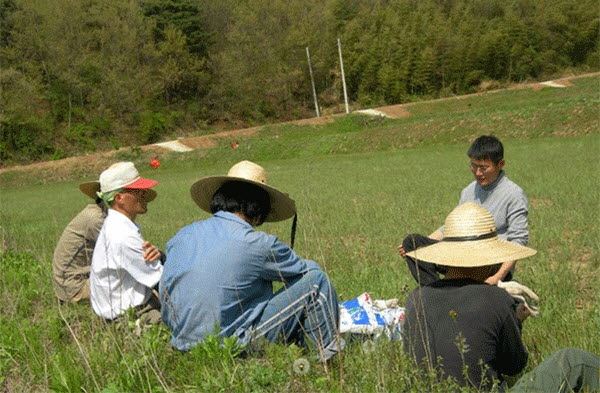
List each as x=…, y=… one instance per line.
x=360, y=184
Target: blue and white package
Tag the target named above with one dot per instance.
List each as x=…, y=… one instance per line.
x=362, y=315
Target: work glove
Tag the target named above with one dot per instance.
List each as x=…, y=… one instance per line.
x=523, y=294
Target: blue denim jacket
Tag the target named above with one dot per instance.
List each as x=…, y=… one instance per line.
x=218, y=278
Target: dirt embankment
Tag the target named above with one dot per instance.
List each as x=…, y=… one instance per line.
x=98, y=161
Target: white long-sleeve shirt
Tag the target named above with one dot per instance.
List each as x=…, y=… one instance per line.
x=119, y=277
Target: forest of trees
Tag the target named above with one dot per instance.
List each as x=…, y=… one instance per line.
x=81, y=75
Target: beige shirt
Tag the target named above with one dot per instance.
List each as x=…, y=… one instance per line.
x=73, y=254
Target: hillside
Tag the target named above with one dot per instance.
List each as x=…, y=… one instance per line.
x=83, y=77
x=564, y=107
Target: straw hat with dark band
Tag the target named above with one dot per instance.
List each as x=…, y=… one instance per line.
x=282, y=206
x=470, y=240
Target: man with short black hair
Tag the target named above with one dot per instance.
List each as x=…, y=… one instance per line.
x=493, y=190
x=219, y=279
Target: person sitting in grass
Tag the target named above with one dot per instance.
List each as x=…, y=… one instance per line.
x=125, y=268
x=73, y=252
x=465, y=329
x=493, y=190
x=220, y=275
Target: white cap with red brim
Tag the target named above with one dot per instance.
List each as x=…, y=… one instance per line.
x=123, y=175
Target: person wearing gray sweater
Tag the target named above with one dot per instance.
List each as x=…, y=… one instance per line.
x=492, y=189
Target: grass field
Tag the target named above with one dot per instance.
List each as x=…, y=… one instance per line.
x=360, y=185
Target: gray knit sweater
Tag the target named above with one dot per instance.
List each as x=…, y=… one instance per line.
x=507, y=203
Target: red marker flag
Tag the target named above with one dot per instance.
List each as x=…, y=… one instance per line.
x=154, y=162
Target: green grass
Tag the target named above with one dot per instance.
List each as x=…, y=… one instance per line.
x=360, y=185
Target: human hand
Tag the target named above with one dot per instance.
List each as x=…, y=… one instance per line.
x=151, y=252
x=401, y=251
x=492, y=280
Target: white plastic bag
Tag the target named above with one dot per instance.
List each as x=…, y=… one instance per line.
x=363, y=315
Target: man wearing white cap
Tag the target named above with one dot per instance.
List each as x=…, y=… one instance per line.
x=125, y=268
x=471, y=331
x=219, y=279
x=73, y=252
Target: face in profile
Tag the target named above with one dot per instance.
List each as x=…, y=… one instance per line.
x=133, y=201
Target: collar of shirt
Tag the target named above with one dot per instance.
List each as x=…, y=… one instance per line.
x=231, y=217
x=122, y=219
x=490, y=187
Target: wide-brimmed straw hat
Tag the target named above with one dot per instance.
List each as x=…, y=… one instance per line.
x=282, y=206
x=470, y=240
x=90, y=188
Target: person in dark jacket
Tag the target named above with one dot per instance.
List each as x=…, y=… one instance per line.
x=470, y=330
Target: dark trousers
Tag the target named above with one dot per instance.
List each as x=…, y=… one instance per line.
x=423, y=272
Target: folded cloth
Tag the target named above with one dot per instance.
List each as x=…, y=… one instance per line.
x=523, y=294
x=363, y=315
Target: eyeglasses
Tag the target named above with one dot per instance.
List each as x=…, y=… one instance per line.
x=482, y=168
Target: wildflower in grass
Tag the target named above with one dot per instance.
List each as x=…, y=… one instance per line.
x=461, y=343
x=301, y=366
x=368, y=346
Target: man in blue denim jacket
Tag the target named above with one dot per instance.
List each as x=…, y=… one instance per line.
x=220, y=271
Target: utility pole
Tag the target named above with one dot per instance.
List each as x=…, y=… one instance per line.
x=312, y=81
x=70, y=109
x=343, y=77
